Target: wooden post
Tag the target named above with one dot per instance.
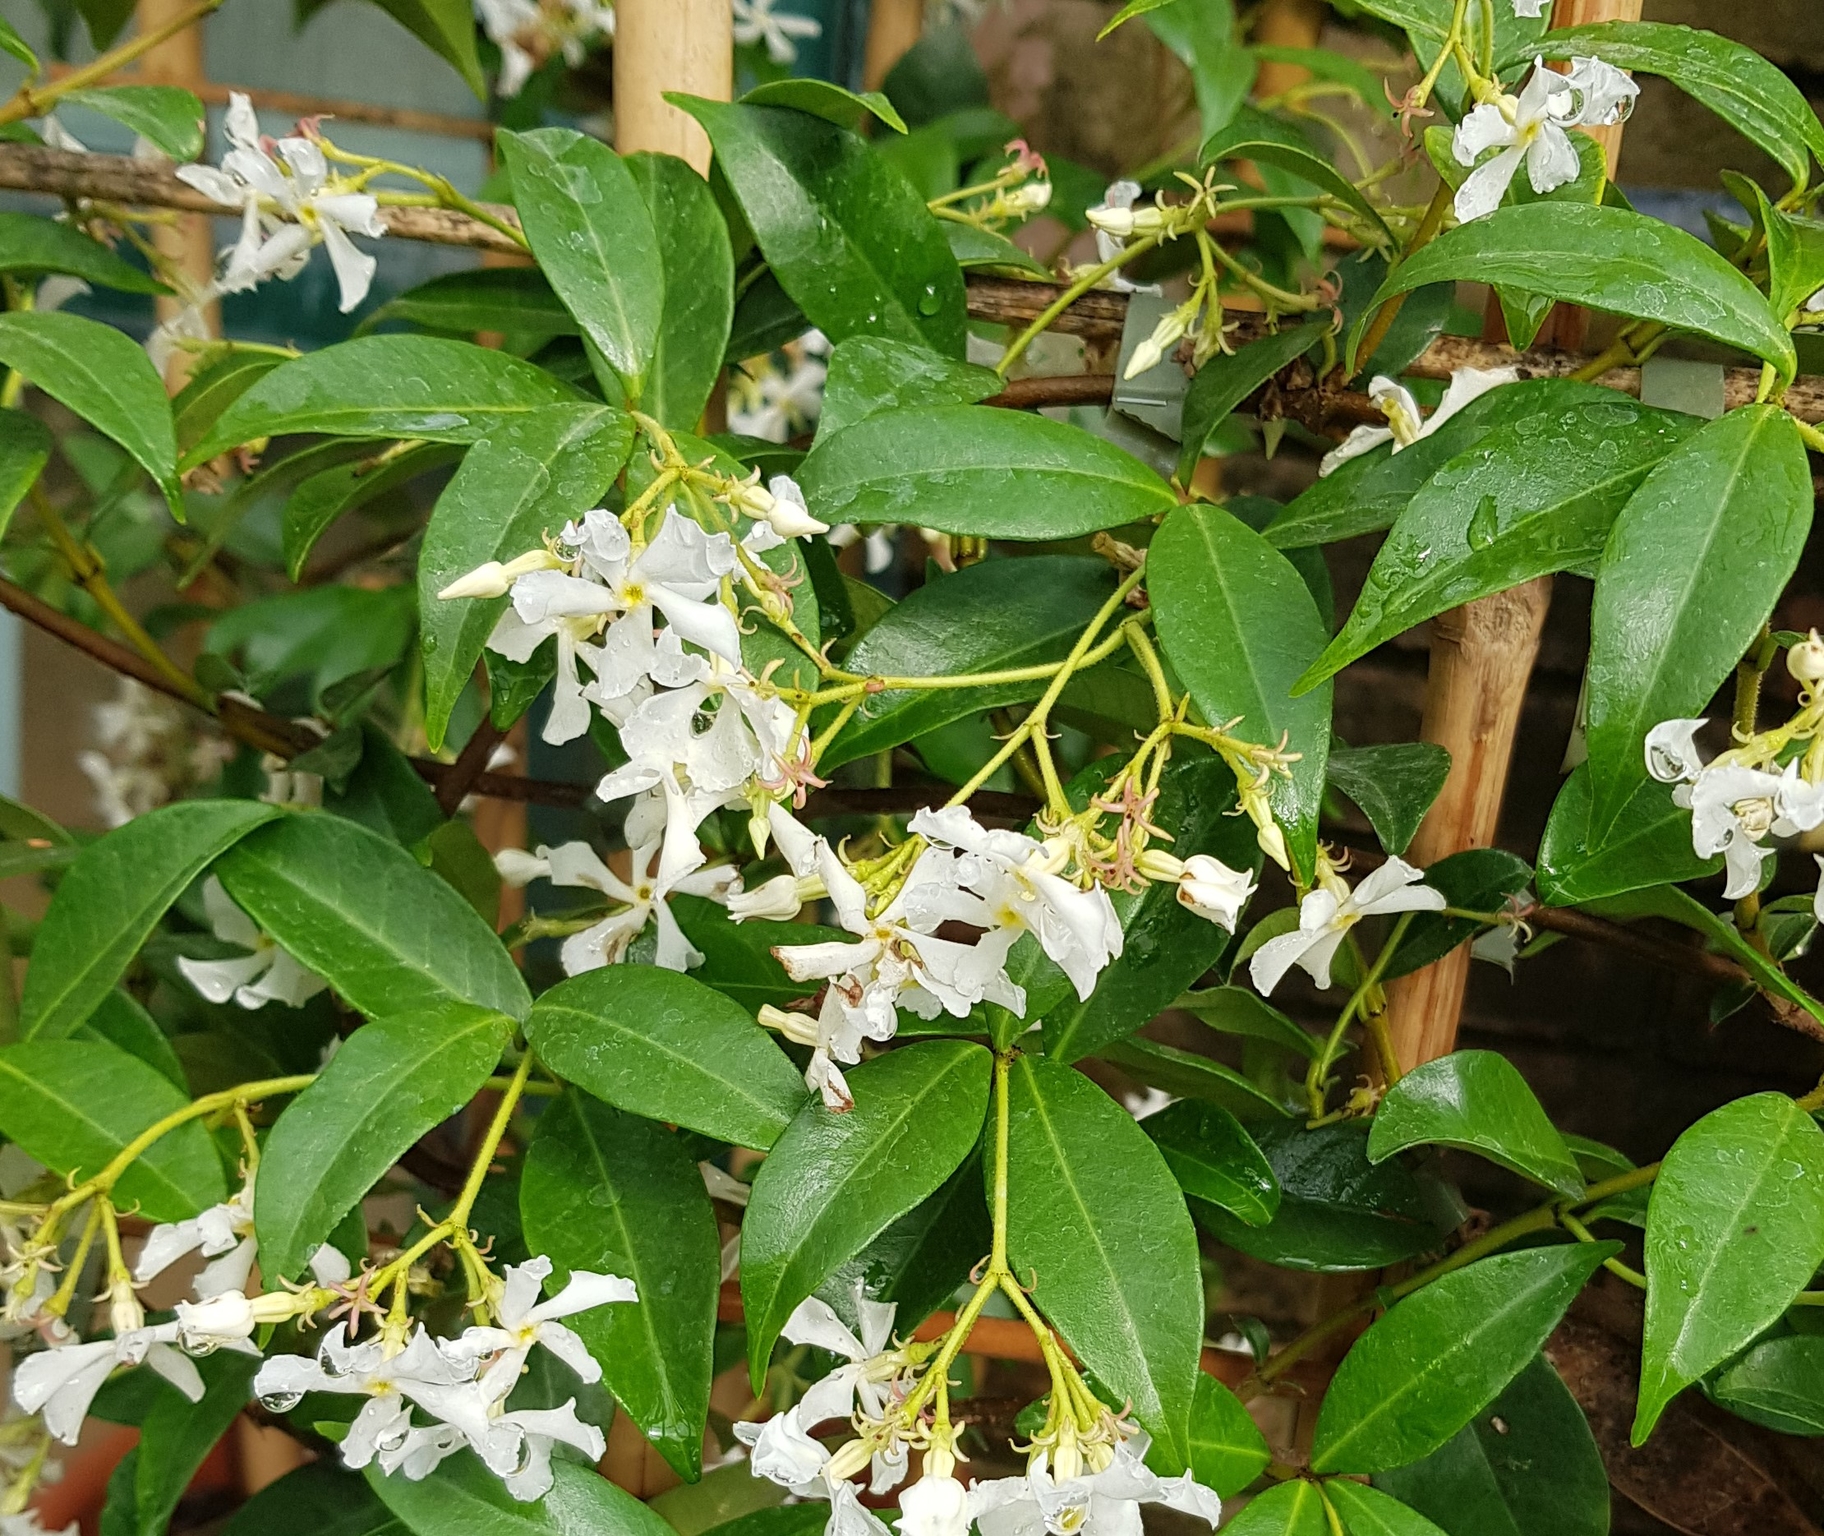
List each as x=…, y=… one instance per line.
x=189, y=242
x=1287, y=24
x=1481, y=658
x=893, y=27
x=669, y=45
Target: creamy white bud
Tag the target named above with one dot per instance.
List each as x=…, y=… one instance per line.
x=788, y=516
x=1033, y=197
x=777, y=900
x=125, y=1314
x=486, y=580
x=1157, y=864
x=799, y=1028
x=1805, y=661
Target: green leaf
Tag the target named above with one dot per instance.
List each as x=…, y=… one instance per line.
x=1237, y=1011
x=1529, y=499
x=846, y=109
x=847, y=236
x=11, y=42
x=164, y=115
x=992, y=616
x=1439, y=1357
x=1735, y=1229
x=361, y=912
x=105, y=377
x=1527, y=1465
x=222, y=374
x=121, y=1020
x=463, y=1498
x=1475, y=880
x=1228, y=1450
x=1294, y=1508
x=1261, y=139
x=1212, y=1157
x=1751, y=94
x=1695, y=562
x=1203, y=35
x=318, y=1499
x=390, y=1083
x=1226, y=380
x=32, y=244
x=834, y=1182
x=177, y=1434
x=1393, y=785
x=25, y=448
x=592, y=233
x=976, y=469
x=1648, y=842
x=738, y=957
x=1778, y=1384
x=104, y=19
x=871, y=374
x=1479, y=1102
x=1128, y=12
x=447, y=28
x=533, y=476
x=1605, y=258
x=1192, y=1076
x=1240, y=625
x=612, y=1193
x=323, y=497
x=1337, y=1211
x=665, y=1046
x=74, y=1105
x=517, y=300
x=698, y=269
x=388, y=386
x=1095, y=1213
x=1364, y=1512
x=982, y=248
x=111, y=899
x=1369, y=492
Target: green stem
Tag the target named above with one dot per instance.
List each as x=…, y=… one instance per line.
x=1070, y=295
x=458, y=1219
x=35, y=101
x=1317, y=1076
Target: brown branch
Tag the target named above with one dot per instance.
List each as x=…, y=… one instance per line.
x=459, y=778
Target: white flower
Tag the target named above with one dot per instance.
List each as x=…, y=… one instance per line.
x=1732, y=809
x=934, y=1506
x=1324, y=918
x=757, y=22
x=1672, y=755
x=223, y=1233
x=524, y=1320
x=779, y=506
x=1527, y=128
x=1605, y=94
x=28, y=1524
x=61, y=1382
x=227, y=1320
x=771, y=404
x=265, y=975
x=1404, y=426
x=528, y=32
x=1115, y=221
x=1018, y=879
x=1104, y=1503
x=285, y=210
x=1206, y=885
x=519, y=1446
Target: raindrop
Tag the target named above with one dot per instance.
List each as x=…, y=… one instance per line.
x=1484, y=523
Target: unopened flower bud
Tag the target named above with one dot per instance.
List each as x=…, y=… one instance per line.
x=1166, y=335
x=1033, y=197
x=1066, y=1460
x=775, y=901
x=1157, y=864
x=788, y=516
x=799, y=1028
x=1805, y=661
x=222, y=1319
x=1273, y=844
x=124, y=1311
x=492, y=579
x=1123, y=223
x=848, y=1460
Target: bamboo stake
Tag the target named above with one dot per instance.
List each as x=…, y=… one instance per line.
x=669, y=45
x=1481, y=658
x=1287, y=24
x=893, y=27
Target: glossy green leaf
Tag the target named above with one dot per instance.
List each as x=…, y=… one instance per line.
x=1479, y=1102
x=1393, y=785
x=105, y=377
x=592, y=234
x=463, y=1498
x=699, y=276
x=1439, y=1357
x=1690, y=574
x=1204, y=36
x=446, y=27
x=1427, y=24
x=821, y=98
x=1225, y=381
x=516, y=300
x=356, y=908
x=1365, y=1512
x=388, y=386
x=113, y=896
x=75, y=1104
x=1213, y=1158
x=25, y=448
x=663, y=1045
x=1190, y=1075
x=318, y=1499
x=1529, y=499
x=177, y=1434
x=982, y=248
x=1606, y=258
x=1095, y=1213
x=533, y=476
x=1747, y=91
x=1337, y=1211
x=1228, y=1450
x=1240, y=626
x=1369, y=492
x=1648, y=842
x=1778, y=1384
x=121, y=1020
x=1128, y=12
x=614, y=1194
x=1735, y=1229
x=738, y=958
x=1259, y=138
x=33, y=244
x=390, y=1083
x=1527, y=1465
x=1294, y=1508
x=166, y=116
x=220, y=376
x=871, y=374
x=1476, y=880
x=323, y=497
x=1237, y=1011
x=833, y=1182
x=11, y=42
x=847, y=236
x=974, y=469
x=104, y=19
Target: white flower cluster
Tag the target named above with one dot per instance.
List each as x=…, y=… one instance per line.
x=528, y=32
x=756, y=21
x=1531, y=128
x=460, y=1385
x=151, y=751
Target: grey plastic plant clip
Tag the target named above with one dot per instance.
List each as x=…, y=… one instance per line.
x=1156, y=397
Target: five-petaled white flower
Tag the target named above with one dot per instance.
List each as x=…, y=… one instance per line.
x=223, y=1234
x=936, y=1505
x=757, y=22
x=266, y=975
x=523, y=1321
x=1206, y=885
x=61, y=1382
x=1528, y=127
x=1327, y=914
x=528, y=32
x=1104, y=1503
x=285, y=208
x=1404, y=424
